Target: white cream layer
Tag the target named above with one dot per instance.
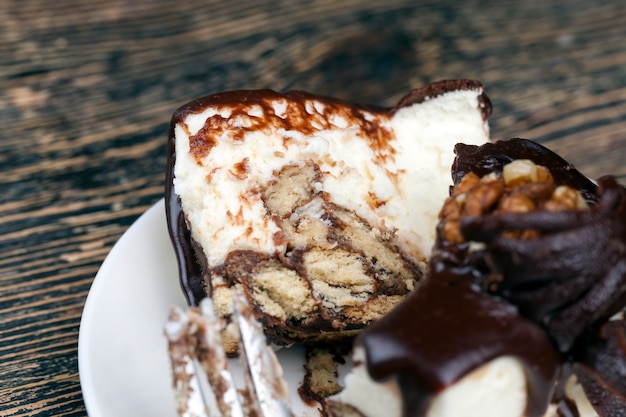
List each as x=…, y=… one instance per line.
x=226, y=211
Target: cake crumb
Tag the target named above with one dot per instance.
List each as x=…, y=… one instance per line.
x=322, y=377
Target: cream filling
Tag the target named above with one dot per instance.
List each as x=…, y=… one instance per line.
x=496, y=389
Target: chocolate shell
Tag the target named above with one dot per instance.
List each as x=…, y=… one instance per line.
x=601, y=369
x=574, y=273
x=491, y=157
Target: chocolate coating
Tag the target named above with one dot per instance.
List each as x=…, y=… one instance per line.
x=529, y=298
x=189, y=268
x=420, y=95
x=446, y=329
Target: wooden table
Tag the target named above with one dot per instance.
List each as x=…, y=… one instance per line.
x=87, y=90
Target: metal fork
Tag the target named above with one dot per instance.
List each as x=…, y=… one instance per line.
x=204, y=384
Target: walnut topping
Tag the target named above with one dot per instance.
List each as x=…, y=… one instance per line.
x=523, y=187
x=525, y=171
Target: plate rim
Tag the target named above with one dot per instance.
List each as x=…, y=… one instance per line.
x=85, y=368
x=291, y=359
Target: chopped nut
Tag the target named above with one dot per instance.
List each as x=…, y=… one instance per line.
x=565, y=198
x=516, y=203
x=523, y=187
x=451, y=208
x=482, y=197
x=452, y=232
x=520, y=171
x=521, y=234
x=581, y=203
x=536, y=191
x=543, y=174
x=529, y=234
x=492, y=176
x=466, y=183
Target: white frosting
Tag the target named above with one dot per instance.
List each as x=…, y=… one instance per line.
x=411, y=174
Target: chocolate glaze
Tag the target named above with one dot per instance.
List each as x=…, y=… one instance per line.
x=448, y=328
x=598, y=363
x=420, y=95
x=192, y=274
x=565, y=406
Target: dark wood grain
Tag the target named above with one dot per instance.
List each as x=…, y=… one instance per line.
x=87, y=90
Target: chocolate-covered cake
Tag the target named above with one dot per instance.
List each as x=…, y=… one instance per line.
x=517, y=316
x=321, y=212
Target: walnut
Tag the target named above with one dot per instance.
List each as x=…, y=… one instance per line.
x=482, y=197
x=525, y=171
x=523, y=187
x=516, y=203
x=565, y=198
x=467, y=182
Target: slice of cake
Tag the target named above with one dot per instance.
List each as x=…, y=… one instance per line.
x=517, y=315
x=321, y=212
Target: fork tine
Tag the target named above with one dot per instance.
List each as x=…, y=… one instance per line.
x=197, y=356
x=215, y=363
x=262, y=371
x=189, y=401
x=198, y=359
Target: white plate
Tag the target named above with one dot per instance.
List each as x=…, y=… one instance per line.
x=122, y=354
